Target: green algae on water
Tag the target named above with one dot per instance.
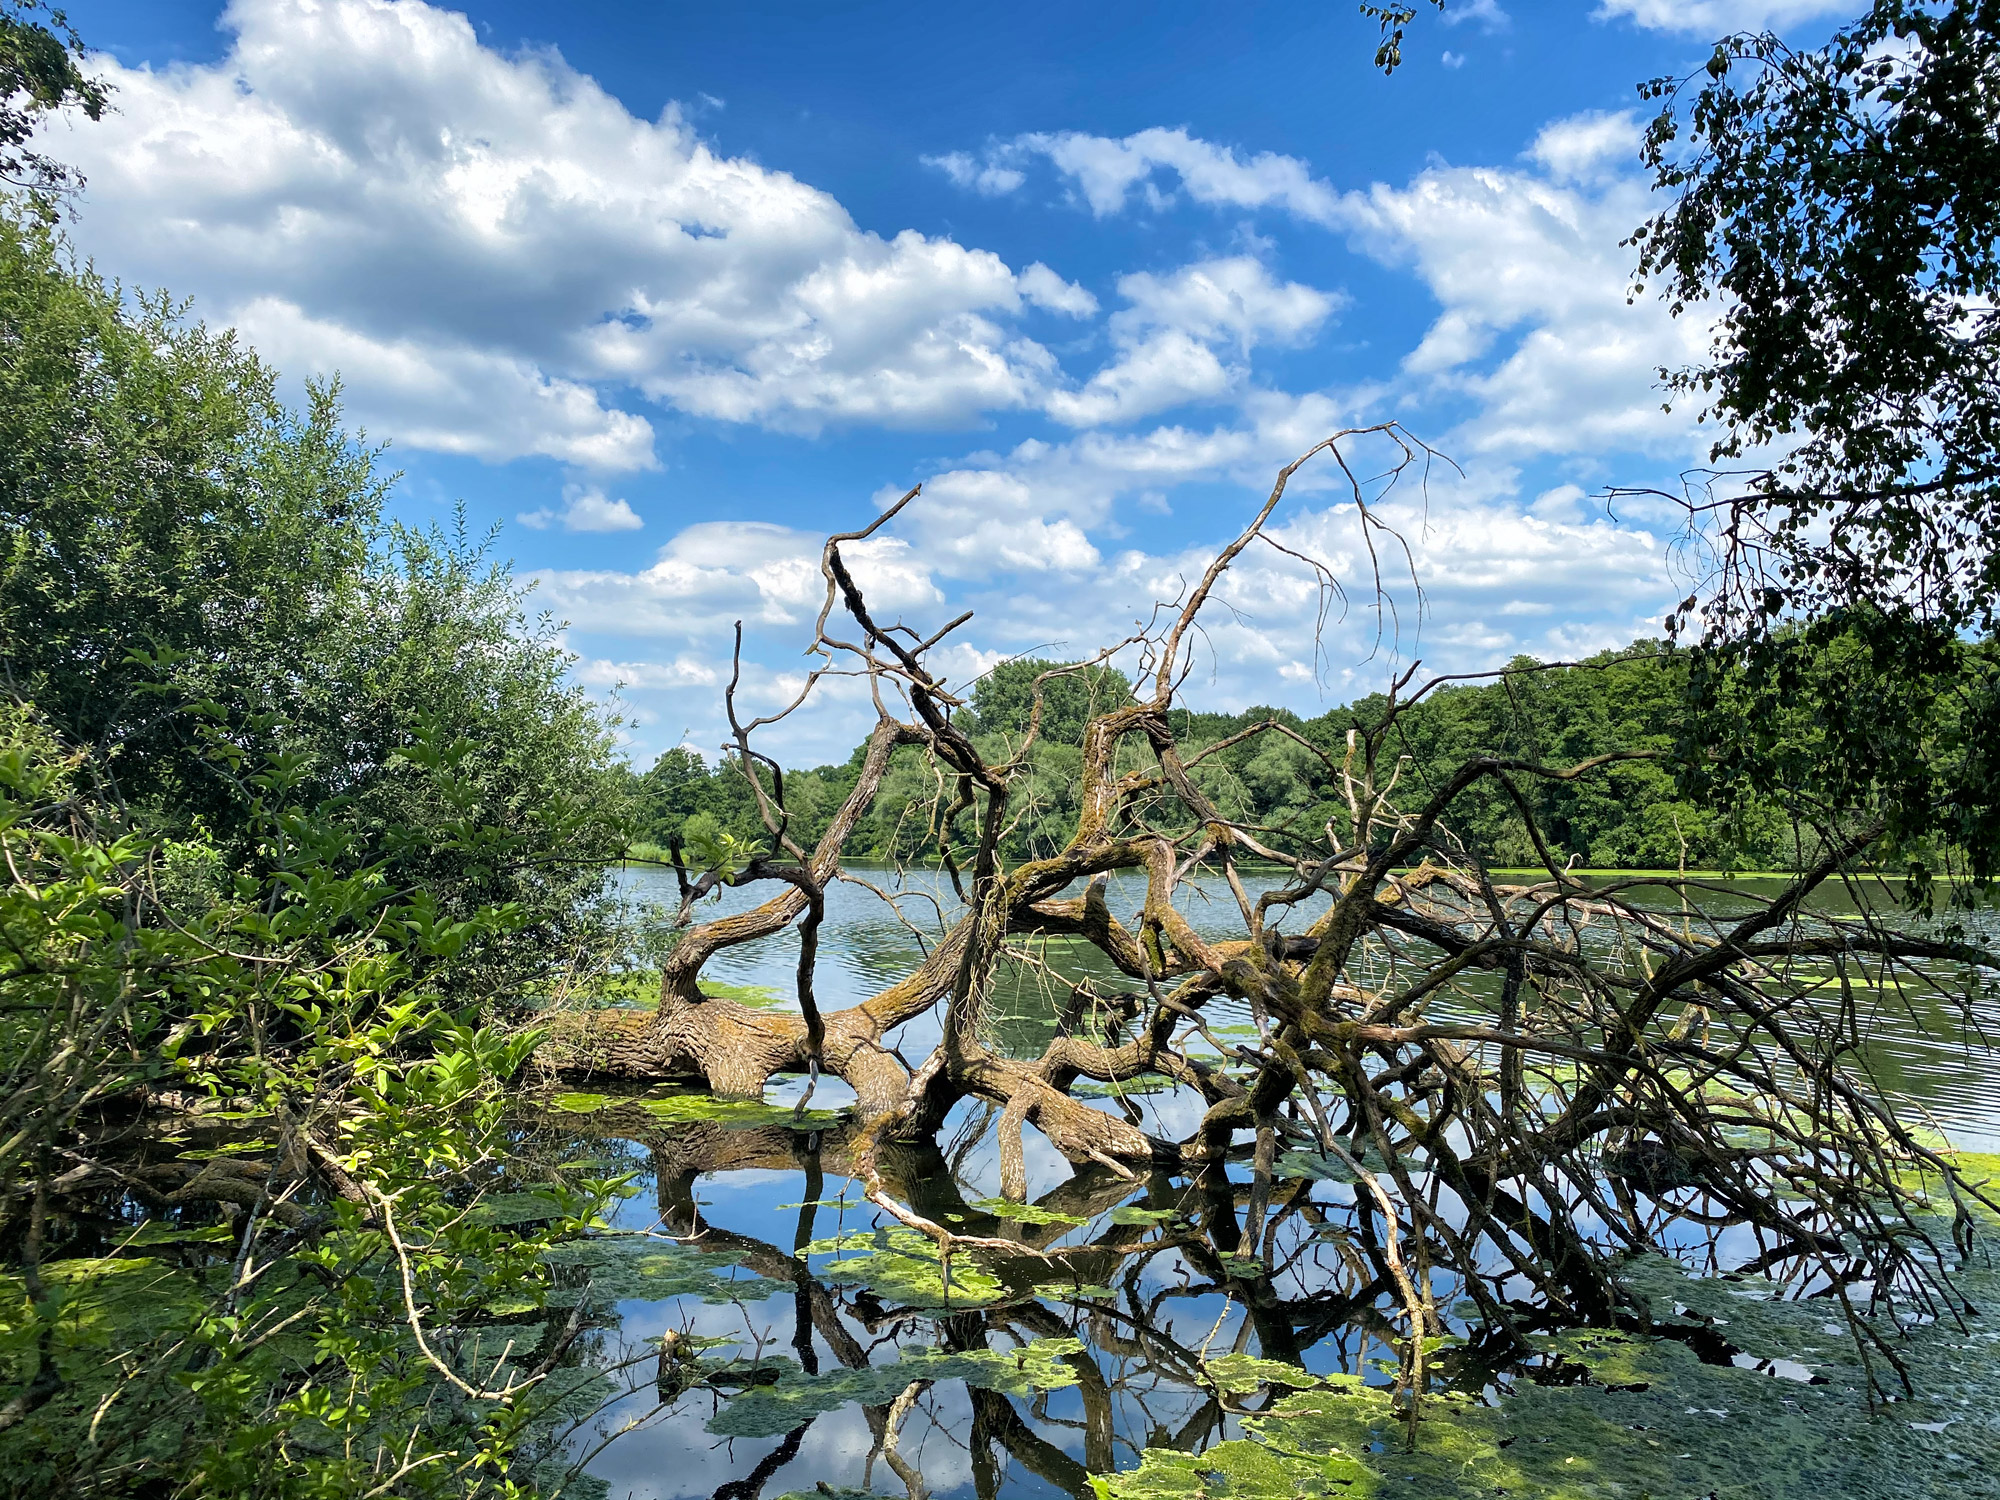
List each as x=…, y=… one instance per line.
x=158, y=1232
x=1648, y=1421
x=1025, y=1213
x=511, y=1210
x=769, y=1410
x=638, y=1267
x=1139, y=1084
x=1243, y=1374
x=685, y=1107
x=100, y=1304
x=903, y=1266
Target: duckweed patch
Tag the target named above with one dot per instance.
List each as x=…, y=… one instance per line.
x=903, y=1266
x=101, y=1304
x=1649, y=1420
x=756, y=996
x=1242, y=1374
x=509, y=1210
x=1072, y=1291
x=158, y=1232
x=1026, y=1213
x=769, y=1410
x=691, y=1106
x=1144, y=1083
x=639, y=1268
x=103, y=1309
x=1981, y=1168
x=246, y=1151
x=738, y=1114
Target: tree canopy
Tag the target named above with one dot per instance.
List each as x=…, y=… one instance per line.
x=1837, y=211
x=294, y=801
x=1637, y=816
x=197, y=580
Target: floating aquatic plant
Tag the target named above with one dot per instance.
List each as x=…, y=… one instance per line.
x=1636, y=1415
x=768, y=1410
x=636, y=1267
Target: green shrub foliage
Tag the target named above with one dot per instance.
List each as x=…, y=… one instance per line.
x=293, y=800
x=196, y=580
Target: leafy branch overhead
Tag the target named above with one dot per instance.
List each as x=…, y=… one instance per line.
x=1395, y=22
x=40, y=76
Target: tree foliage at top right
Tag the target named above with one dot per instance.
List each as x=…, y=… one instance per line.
x=1842, y=206
x=1837, y=210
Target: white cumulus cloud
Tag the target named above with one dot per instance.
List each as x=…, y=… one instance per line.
x=1235, y=299
x=1542, y=369
x=969, y=171
x=1045, y=289
x=1025, y=538
x=496, y=254
x=1106, y=171
x=1487, y=13
x=716, y=572
x=1588, y=147
x=1717, y=18
x=1169, y=335
x=683, y=671
x=585, y=508
x=1535, y=327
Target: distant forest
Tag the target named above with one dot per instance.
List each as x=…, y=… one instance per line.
x=1647, y=814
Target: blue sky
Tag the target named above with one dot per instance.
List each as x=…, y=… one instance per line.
x=667, y=292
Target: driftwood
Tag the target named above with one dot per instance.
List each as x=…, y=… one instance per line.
x=1634, y=1065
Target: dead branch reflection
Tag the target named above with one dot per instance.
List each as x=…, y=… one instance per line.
x=1189, y=1298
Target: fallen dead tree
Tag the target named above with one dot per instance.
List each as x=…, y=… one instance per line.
x=1522, y=1079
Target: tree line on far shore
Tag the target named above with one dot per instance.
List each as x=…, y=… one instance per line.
x=1681, y=809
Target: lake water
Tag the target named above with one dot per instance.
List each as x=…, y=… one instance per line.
x=1941, y=1063
x=752, y=1194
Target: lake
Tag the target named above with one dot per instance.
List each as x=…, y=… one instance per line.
x=1944, y=1067
x=771, y=1270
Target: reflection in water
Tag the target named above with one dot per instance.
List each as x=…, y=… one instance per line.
x=1156, y=1287
x=794, y=1338
x=852, y=1359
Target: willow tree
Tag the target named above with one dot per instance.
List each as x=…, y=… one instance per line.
x=1524, y=1078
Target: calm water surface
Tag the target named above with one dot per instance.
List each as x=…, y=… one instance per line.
x=757, y=1196
x=1943, y=1065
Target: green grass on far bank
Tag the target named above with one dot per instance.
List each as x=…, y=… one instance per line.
x=646, y=853
x=1538, y=871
